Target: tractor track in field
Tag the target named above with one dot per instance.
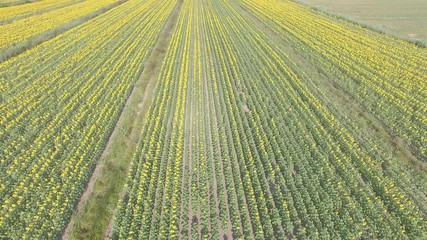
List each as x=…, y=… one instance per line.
x=152, y=74
x=190, y=120
x=212, y=187
x=211, y=110
x=145, y=83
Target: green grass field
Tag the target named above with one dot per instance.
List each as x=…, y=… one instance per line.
x=403, y=19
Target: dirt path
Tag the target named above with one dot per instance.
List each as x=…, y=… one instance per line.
x=212, y=158
x=215, y=133
x=190, y=159
x=186, y=156
x=155, y=62
x=211, y=186
x=137, y=104
x=187, y=151
x=228, y=232
x=187, y=160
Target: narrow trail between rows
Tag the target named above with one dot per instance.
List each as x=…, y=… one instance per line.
x=131, y=119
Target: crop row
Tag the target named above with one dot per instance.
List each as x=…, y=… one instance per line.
x=61, y=102
x=21, y=30
x=236, y=144
x=7, y=1
x=155, y=153
x=386, y=75
x=22, y=10
x=410, y=179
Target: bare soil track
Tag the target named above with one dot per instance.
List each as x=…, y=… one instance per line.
x=125, y=134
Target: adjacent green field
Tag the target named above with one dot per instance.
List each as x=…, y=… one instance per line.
x=404, y=19
x=264, y=119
